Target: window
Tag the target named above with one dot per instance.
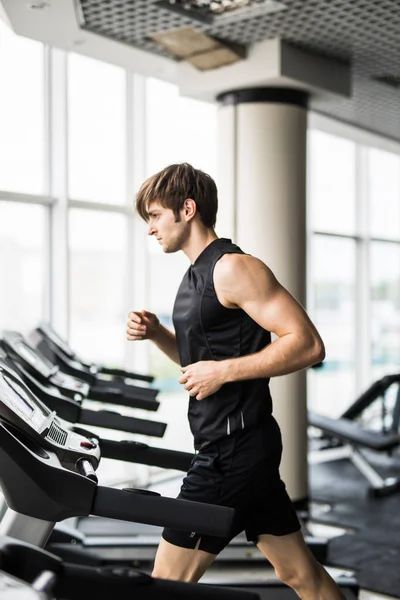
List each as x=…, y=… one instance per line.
x=384, y=194
x=385, y=299
x=22, y=265
x=333, y=387
x=96, y=130
x=179, y=129
x=97, y=285
x=355, y=274
x=332, y=183
x=21, y=114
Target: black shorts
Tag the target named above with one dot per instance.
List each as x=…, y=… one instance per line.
x=240, y=471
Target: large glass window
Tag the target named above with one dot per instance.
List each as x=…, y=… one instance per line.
x=384, y=194
x=332, y=183
x=98, y=305
x=179, y=129
x=22, y=265
x=96, y=130
x=21, y=113
x=385, y=308
x=332, y=387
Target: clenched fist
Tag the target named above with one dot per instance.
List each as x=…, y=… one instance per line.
x=203, y=378
x=142, y=325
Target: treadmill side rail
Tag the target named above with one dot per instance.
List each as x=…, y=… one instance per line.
x=139, y=506
x=130, y=451
x=114, y=420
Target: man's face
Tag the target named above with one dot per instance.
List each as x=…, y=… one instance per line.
x=169, y=233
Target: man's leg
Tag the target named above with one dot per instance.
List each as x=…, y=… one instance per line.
x=181, y=564
x=295, y=565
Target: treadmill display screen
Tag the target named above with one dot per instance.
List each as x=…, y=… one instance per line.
x=15, y=396
x=31, y=357
x=52, y=335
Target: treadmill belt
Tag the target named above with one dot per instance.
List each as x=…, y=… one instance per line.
x=275, y=591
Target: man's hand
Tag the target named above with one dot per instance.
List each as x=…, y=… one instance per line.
x=203, y=378
x=141, y=325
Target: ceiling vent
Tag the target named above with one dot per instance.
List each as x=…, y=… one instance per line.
x=391, y=80
x=220, y=11
x=198, y=48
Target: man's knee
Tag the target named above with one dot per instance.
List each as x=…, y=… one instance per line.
x=181, y=564
x=189, y=573
x=300, y=578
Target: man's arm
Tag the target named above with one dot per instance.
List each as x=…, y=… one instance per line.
x=245, y=282
x=166, y=341
x=144, y=325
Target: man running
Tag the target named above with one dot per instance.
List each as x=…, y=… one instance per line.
x=225, y=308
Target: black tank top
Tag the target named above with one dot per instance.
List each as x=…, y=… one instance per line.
x=206, y=330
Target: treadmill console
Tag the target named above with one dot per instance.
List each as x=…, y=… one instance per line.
x=15, y=343
x=34, y=359
x=52, y=336
x=49, y=332
x=31, y=419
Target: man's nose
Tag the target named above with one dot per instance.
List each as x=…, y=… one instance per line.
x=151, y=230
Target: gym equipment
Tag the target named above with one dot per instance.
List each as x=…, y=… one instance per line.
x=72, y=386
x=389, y=416
x=353, y=437
x=352, y=432
x=57, y=350
x=65, y=394
x=96, y=541
x=47, y=473
x=53, y=578
x=126, y=450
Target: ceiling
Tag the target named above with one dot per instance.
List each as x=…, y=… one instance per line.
x=362, y=33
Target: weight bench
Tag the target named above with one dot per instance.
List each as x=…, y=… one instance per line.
x=353, y=437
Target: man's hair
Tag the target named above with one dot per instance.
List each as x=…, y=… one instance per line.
x=173, y=185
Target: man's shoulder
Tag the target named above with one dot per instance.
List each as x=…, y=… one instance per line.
x=233, y=264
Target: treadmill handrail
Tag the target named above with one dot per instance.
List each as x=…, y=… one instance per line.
x=141, y=507
x=137, y=452
x=114, y=420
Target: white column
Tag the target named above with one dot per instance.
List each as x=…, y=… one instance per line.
x=262, y=185
x=58, y=189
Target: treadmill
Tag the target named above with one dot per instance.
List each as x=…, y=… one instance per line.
x=45, y=481
x=65, y=394
x=56, y=349
x=102, y=541
x=29, y=573
x=75, y=387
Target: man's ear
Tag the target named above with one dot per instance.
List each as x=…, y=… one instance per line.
x=189, y=209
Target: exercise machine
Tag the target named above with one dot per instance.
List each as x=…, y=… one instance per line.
x=75, y=387
x=65, y=394
x=56, y=349
x=30, y=573
x=45, y=480
x=349, y=435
